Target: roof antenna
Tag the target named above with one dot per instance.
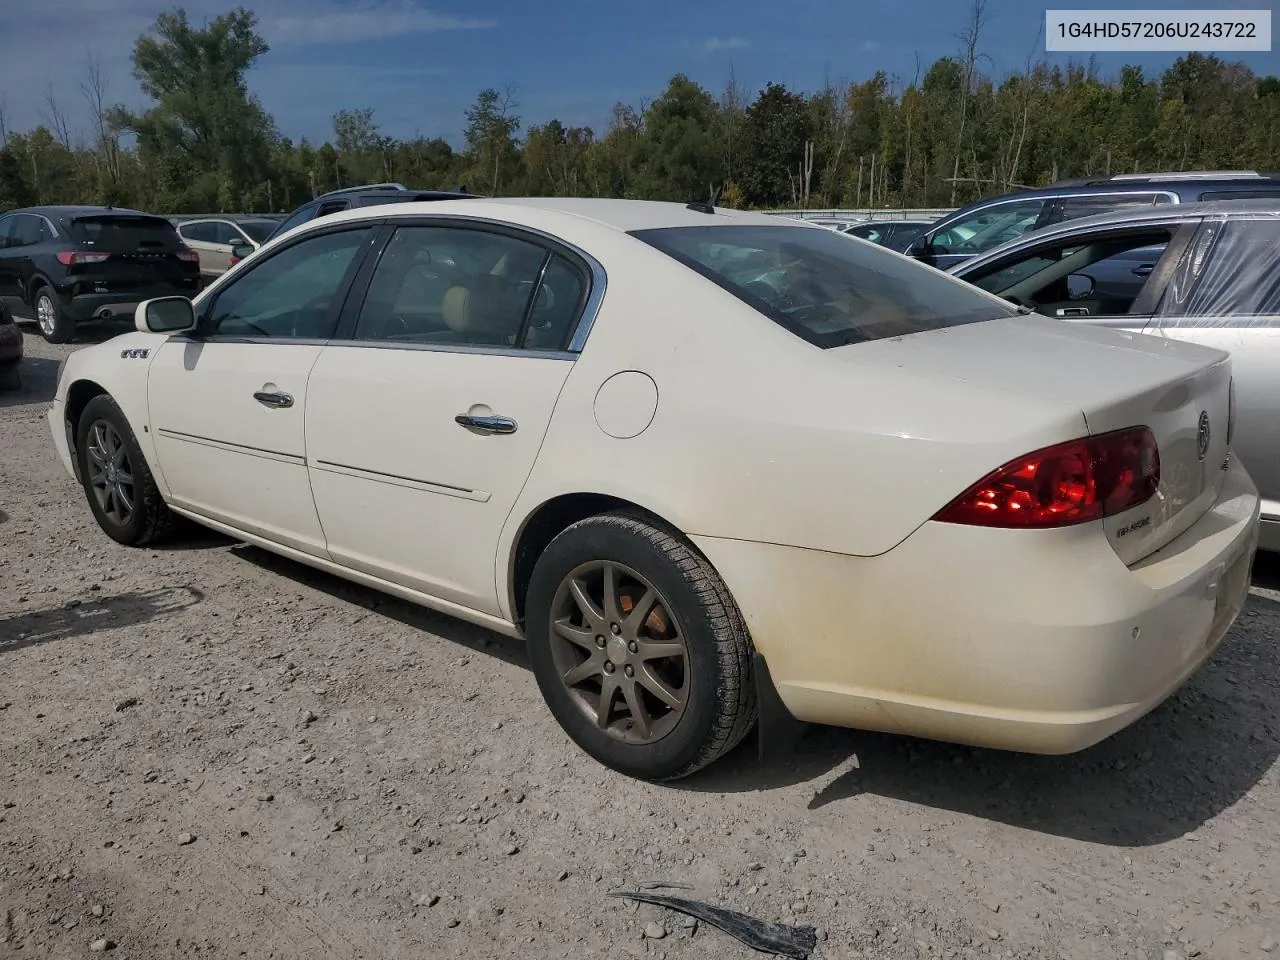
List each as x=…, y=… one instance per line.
x=709, y=206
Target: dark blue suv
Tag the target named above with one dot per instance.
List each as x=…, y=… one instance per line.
x=988, y=223
x=369, y=195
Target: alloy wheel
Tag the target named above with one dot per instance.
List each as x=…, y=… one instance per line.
x=45, y=315
x=620, y=652
x=110, y=473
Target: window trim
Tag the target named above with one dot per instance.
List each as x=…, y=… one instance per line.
x=593, y=274
x=340, y=294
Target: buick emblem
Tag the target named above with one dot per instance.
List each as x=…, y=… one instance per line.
x=1202, y=435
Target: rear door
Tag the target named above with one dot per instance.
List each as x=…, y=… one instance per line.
x=1225, y=293
x=10, y=274
x=425, y=418
x=143, y=256
x=200, y=236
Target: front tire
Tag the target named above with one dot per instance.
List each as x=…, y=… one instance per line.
x=638, y=648
x=121, y=491
x=55, y=326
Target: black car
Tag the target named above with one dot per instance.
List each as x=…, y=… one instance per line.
x=368, y=195
x=61, y=266
x=984, y=225
x=894, y=234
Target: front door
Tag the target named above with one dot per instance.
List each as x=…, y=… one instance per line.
x=424, y=422
x=226, y=405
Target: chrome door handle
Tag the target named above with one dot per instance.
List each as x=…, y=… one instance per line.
x=487, y=424
x=1143, y=270
x=273, y=399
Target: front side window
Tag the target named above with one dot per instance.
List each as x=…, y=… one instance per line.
x=197, y=232
x=257, y=230
x=27, y=230
x=301, y=216
x=452, y=285
x=868, y=231
x=290, y=294
x=1229, y=270
x=987, y=228
x=823, y=287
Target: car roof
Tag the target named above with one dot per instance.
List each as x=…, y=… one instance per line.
x=623, y=215
x=75, y=210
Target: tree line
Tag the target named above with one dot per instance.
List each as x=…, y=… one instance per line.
x=948, y=135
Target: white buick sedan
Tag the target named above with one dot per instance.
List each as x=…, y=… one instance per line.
x=700, y=461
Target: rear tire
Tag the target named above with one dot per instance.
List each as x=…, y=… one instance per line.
x=121, y=491
x=55, y=326
x=678, y=681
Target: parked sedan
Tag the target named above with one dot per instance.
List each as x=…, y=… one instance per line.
x=850, y=485
x=1206, y=273
x=215, y=239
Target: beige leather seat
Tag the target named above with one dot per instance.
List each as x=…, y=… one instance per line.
x=483, y=312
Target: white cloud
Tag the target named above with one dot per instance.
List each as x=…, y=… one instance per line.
x=725, y=43
x=368, y=20
x=868, y=45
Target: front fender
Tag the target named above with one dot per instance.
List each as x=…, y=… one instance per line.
x=118, y=367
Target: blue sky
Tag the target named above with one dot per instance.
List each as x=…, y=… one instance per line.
x=420, y=63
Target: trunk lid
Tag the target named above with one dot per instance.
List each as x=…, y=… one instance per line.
x=1116, y=379
x=143, y=250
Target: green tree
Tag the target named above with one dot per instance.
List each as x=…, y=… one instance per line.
x=778, y=125
x=491, y=130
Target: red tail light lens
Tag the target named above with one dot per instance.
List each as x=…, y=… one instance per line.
x=233, y=261
x=70, y=258
x=189, y=255
x=1069, y=483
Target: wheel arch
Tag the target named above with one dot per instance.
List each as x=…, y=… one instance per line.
x=546, y=521
x=36, y=281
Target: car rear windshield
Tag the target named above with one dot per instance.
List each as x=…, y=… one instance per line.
x=124, y=233
x=823, y=286
x=258, y=230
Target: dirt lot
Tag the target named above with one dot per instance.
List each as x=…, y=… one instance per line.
x=206, y=751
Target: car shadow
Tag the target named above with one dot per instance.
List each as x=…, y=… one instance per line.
x=39, y=382
x=1162, y=778
x=80, y=618
x=475, y=638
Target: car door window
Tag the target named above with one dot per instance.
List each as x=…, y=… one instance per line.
x=197, y=232
x=226, y=233
x=453, y=285
x=26, y=231
x=1072, y=208
x=988, y=227
x=291, y=294
x=1229, y=271
x=868, y=231
x=301, y=216
x=6, y=229
x=333, y=206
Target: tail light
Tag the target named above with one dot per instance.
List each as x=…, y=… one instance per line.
x=1231, y=410
x=71, y=258
x=1065, y=484
x=233, y=261
x=189, y=255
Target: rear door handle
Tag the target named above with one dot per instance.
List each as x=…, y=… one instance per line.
x=1143, y=270
x=487, y=424
x=276, y=398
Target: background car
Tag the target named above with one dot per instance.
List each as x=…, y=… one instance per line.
x=848, y=484
x=62, y=266
x=215, y=239
x=986, y=224
x=10, y=350
x=370, y=194
x=1205, y=273
x=894, y=234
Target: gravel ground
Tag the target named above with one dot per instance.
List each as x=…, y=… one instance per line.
x=207, y=751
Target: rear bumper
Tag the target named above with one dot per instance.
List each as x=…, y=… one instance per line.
x=1036, y=641
x=119, y=306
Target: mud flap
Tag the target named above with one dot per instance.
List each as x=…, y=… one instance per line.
x=778, y=732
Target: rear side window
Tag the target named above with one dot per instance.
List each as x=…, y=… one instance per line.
x=1071, y=208
x=823, y=287
x=1240, y=195
x=1230, y=270
x=124, y=233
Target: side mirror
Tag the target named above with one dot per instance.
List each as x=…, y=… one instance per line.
x=1080, y=286
x=165, y=315
x=239, y=251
